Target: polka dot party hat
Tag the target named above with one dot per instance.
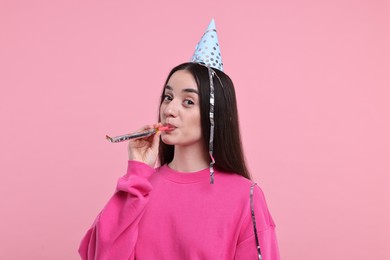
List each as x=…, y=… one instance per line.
x=207, y=50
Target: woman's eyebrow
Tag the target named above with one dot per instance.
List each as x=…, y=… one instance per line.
x=187, y=90
x=191, y=90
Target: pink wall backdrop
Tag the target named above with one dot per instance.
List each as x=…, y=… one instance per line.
x=312, y=81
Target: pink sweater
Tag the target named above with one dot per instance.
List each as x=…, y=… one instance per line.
x=164, y=214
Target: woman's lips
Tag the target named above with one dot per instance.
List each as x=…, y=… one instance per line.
x=163, y=128
x=169, y=127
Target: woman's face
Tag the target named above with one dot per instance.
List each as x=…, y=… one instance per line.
x=180, y=110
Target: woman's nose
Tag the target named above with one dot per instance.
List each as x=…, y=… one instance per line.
x=171, y=109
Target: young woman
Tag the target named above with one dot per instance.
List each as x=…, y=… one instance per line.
x=173, y=212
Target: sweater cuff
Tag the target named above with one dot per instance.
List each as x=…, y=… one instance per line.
x=139, y=168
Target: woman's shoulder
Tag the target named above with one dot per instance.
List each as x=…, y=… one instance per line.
x=234, y=183
x=240, y=185
x=232, y=178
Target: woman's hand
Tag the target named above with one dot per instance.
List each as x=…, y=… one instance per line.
x=145, y=149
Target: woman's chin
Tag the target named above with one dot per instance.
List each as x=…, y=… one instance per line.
x=167, y=140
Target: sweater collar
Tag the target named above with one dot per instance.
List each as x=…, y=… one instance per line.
x=184, y=177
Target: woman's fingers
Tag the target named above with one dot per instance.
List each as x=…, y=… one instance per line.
x=156, y=141
x=145, y=149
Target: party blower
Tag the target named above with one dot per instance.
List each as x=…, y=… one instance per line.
x=136, y=135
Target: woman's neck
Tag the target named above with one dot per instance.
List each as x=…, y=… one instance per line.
x=190, y=158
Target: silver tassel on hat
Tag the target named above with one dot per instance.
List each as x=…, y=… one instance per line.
x=211, y=141
x=207, y=53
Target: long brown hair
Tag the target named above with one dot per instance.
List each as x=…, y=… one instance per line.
x=228, y=153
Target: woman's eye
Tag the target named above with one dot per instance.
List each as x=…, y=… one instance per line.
x=167, y=98
x=188, y=102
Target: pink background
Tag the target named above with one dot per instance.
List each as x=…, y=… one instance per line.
x=312, y=80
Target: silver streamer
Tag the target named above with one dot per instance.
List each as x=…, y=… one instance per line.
x=254, y=222
x=211, y=141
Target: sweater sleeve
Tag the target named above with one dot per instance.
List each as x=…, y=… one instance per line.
x=246, y=247
x=114, y=233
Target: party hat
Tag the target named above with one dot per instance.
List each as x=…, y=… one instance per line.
x=207, y=50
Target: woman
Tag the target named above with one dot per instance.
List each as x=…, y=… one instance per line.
x=173, y=212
